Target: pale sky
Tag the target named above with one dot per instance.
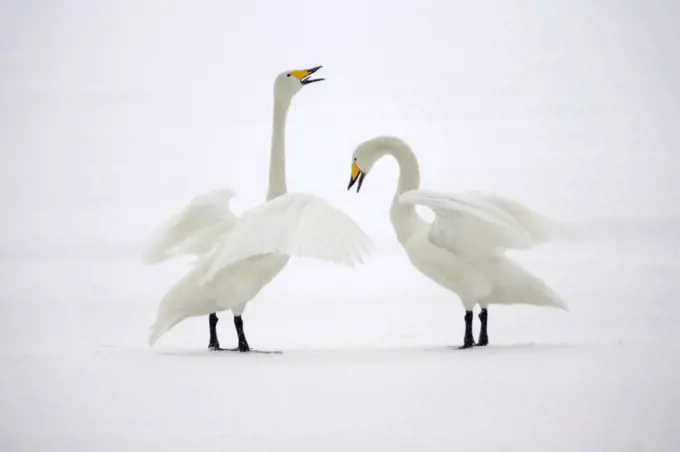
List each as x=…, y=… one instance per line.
x=115, y=113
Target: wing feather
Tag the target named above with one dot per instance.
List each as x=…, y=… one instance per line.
x=540, y=227
x=295, y=224
x=193, y=230
x=462, y=226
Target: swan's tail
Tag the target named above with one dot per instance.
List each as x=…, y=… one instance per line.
x=182, y=301
x=531, y=294
x=515, y=285
x=161, y=326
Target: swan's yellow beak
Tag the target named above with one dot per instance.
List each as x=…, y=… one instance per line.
x=356, y=175
x=303, y=75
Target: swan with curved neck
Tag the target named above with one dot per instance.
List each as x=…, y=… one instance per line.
x=237, y=257
x=463, y=249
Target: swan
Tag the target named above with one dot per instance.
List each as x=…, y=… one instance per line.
x=462, y=250
x=237, y=256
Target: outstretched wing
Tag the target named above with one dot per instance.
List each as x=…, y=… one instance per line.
x=539, y=227
x=462, y=226
x=194, y=230
x=295, y=224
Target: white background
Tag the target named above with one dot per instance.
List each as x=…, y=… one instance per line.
x=114, y=114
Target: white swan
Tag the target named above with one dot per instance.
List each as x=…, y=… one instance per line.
x=237, y=257
x=463, y=249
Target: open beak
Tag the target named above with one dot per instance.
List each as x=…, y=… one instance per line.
x=356, y=176
x=304, y=75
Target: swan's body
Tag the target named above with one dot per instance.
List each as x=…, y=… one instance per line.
x=237, y=257
x=463, y=249
x=255, y=250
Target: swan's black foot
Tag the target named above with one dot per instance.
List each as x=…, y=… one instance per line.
x=242, y=347
x=483, y=336
x=468, y=340
x=252, y=350
x=467, y=345
x=214, y=344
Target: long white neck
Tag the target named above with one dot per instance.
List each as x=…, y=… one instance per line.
x=277, y=159
x=404, y=218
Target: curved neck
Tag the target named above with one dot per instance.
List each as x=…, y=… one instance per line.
x=277, y=159
x=409, y=170
x=404, y=218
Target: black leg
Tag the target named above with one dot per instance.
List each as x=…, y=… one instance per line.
x=483, y=336
x=214, y=343
x=468, y=340
x=242, y=342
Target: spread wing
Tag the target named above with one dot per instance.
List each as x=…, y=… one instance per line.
x=462, y=226
x=295, y=224
x=539, y=227
x=194, y=230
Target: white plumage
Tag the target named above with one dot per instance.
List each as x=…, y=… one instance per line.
x=295, y=224
x=247, y=257
x=541, y=229
x=463, y=249
x=237, y=257
x=463, y=227
x=192, y=231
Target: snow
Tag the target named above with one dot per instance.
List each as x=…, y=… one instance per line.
x=113, y=115
x=371, y=364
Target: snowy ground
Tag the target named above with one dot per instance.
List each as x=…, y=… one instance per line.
x=366, y=366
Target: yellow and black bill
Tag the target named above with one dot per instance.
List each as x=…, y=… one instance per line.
x=304, y=75
x=357, y=177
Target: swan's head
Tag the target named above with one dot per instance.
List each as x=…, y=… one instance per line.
x=362, y=161
x=289, y=83
x=370, y=151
